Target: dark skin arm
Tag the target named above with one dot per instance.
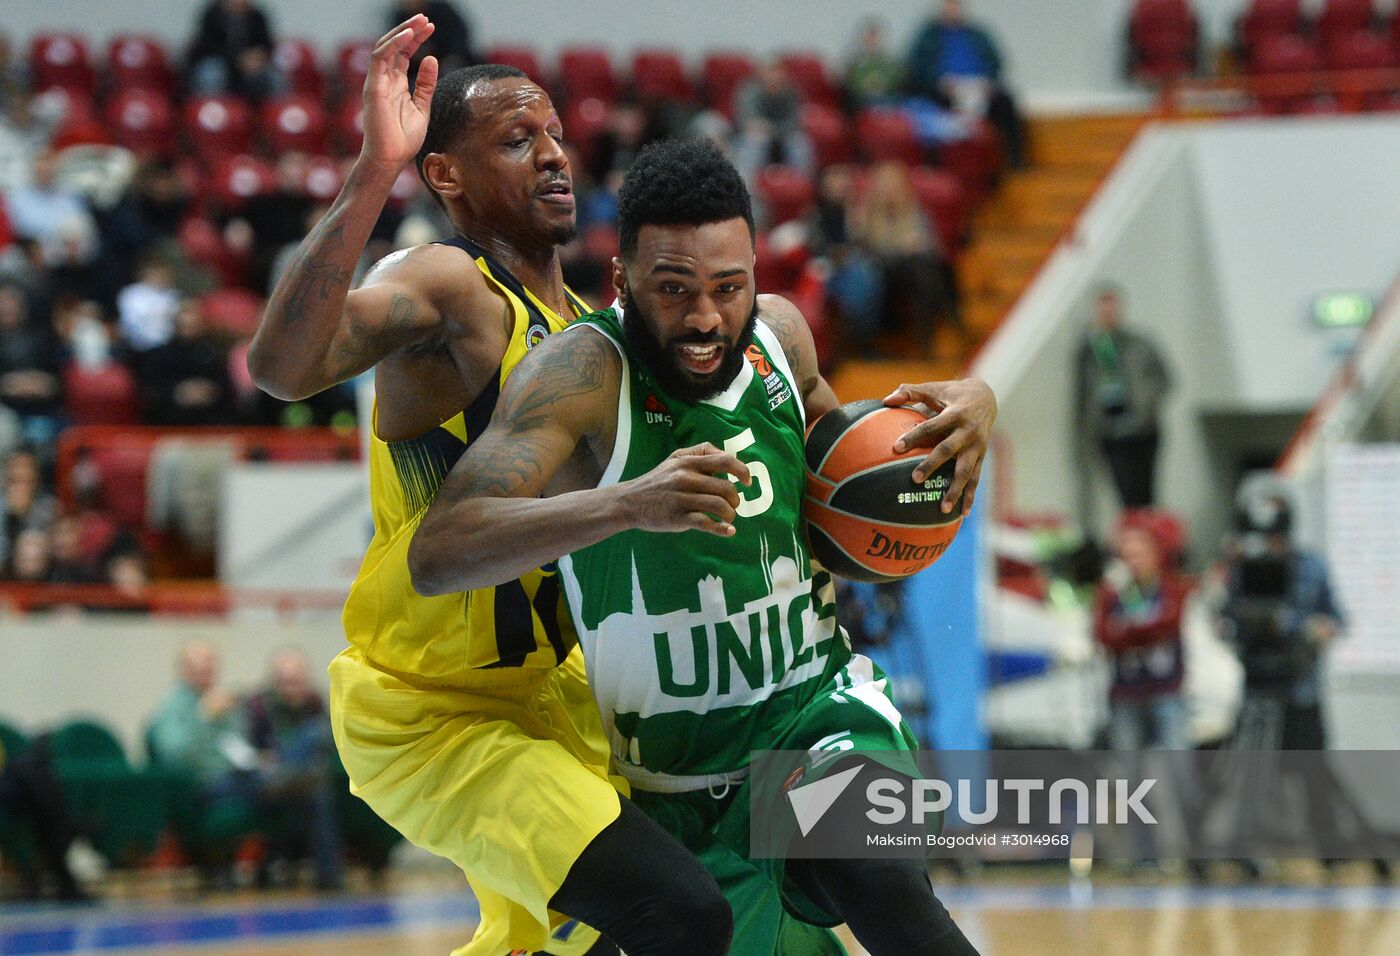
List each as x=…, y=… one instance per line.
x=551, y=435
x=315, y=332
x=960, y=413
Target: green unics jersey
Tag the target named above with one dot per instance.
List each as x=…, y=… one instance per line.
x=701, y=648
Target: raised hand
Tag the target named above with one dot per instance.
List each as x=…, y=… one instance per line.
x=962, y=413
x=396, y=120
x=688, y=491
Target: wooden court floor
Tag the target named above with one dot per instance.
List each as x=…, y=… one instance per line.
x=1003, y=917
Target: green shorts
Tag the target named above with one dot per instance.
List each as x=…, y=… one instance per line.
x=772, y=915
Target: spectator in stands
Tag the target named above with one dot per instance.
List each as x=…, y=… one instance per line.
x=26, y=129
x=232, y=52
x=30, y=795
x=71, y=564
x=629, y=129
x=277, y=218
x=875, y=76
x=288, y=725
x=855, y=285
x=186, y=380
x=451, y=41
x=890, y=223
x=53, y=215
x=199, y=730
x=1137, y=620
x=161, y=199
x=127, y=571
x=956, y=63
x=80, y=326
x=768, y=123
x=12, y=78
x=1122, y=381
x=146, y=309
x=31, y=557
x=31, y=366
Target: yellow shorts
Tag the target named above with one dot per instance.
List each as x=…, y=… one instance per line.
x=508, y=779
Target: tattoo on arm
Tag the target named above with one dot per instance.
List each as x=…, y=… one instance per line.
x=366, y=342
x=314, y=277
x=783, y=320
x=514, y=452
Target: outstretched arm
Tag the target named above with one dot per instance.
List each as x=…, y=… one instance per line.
x=488, y=525
x=315, y=332
x=960, y=413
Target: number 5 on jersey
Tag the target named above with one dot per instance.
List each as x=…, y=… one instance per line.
x=758, y=496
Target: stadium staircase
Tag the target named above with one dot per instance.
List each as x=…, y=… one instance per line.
x=1012, y=234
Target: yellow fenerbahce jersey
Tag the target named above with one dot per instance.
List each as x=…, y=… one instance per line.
x=520, y=624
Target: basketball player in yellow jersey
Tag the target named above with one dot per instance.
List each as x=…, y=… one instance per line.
x=464, y=719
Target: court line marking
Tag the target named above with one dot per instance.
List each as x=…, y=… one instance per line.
x=34, y=931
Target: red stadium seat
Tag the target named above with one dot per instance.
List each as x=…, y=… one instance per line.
x=808, y=71
x=523, y=58
x=142, y=120
x=1266, y=19
x=323, y=178
x=1361, y=50
x=294, y=123
x=587, y=72
x=123, y=471
x=976, y=160
x=777, y=272
x=1163, y=38
x=1342, y=18
x=80, y=123
x=203, y=243
x=296, y=59
x=786, y=193
x=407, y=187
x=218, y=126
x=235, y=311
x=102, y=396
x=236, y=179
x=139, y=62
x=601, y=244
x=352, y=65
x=721, y=74
x=825, y=126
x=584, y=121
x=1285, y=54
x=887, y=134
x=943, y=198
x=660, y=74
x=61, y=59
x=348, y=126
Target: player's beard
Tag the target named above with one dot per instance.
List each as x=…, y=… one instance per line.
x=660, y=359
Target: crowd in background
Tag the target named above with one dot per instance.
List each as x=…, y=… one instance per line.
x=130, y=281
x=252, y=778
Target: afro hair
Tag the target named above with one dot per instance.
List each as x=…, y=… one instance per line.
x=680, y=183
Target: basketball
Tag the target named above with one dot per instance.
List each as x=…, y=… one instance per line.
x=866, y=519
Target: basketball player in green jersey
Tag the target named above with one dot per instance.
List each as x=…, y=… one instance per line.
x=655, y=450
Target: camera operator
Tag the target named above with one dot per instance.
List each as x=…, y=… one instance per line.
x=1280, y=615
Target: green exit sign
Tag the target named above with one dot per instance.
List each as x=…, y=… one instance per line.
x=1343, y=310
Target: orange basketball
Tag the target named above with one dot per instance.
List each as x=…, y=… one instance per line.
x=866, y=518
